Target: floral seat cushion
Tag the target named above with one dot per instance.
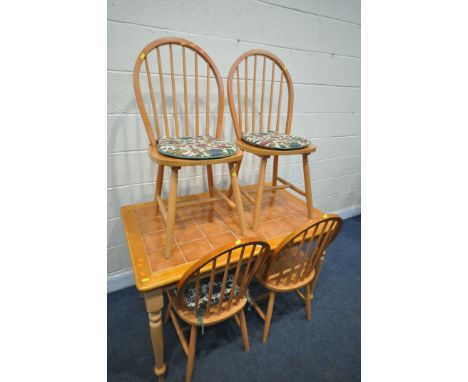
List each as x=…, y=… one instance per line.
x=275, y=141
x=190, y=292
x=203, y=147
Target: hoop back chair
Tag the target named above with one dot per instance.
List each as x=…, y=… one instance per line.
x=262, y=121
x=215, y=289
x=296, y=264
x=193, y=141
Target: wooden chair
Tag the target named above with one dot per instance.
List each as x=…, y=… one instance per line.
x=199, y=142
x=215, y=289
x=256, y=130
x=296, y=264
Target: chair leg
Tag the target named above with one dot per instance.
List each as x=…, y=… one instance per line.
x=309, y=289
x=308, y=186
x=191, y=355
x=237, y=172
x=209, y=173
x=307, y=302
x=266, y=329
x=211, y=192
x=259, y=196
x=245, y=334
x=318, y=268
x=312, y=285
x=237, y=199
x=274, y=181
x=179, y=332
x=159, y=183
x=171, y=213
x=168, y=313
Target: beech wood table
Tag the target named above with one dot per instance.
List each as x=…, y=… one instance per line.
x=198, y=230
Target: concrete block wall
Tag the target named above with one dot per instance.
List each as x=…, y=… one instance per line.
x=319, y=41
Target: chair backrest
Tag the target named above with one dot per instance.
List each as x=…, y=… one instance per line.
x=296, y=257
x=254, y=103
x=165, y=60
x=231, y=268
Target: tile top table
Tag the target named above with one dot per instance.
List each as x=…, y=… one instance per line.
x=198, y=231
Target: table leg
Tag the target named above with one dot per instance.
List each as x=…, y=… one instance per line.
x=154, y=302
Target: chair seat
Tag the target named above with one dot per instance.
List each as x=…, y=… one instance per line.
x=203, y=147
x=190, y=292
x=275, y=141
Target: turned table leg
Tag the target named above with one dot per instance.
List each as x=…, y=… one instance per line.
x=154, y=304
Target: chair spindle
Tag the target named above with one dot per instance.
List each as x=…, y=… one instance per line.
x=207, y=100
x=253, y=94
x=263, y=95
x=197, y=107
x=239, y=99
x=246, y=96
x=185, y=92
x=163, y=95
x=271, y=92
x=174, y=94
x=153, y=100
x=279, y=103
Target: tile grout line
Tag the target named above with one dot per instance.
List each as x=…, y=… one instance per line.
x=175, y=241
x=203, y=234
x=197, y=224
x=189, y=241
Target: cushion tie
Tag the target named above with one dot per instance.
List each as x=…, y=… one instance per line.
x=200, y=322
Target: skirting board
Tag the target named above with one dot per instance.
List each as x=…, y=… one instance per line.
x=349, y=212
x=125, y=279
x=120, y=280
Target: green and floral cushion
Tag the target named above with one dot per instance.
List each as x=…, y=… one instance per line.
x=190, y=292
x=275, y=141
x=203, y=147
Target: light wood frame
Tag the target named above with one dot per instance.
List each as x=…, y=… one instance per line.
x=168, y=208
x=152, y=284
x=296, y=264
x=243, y=123
x=243, y=259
